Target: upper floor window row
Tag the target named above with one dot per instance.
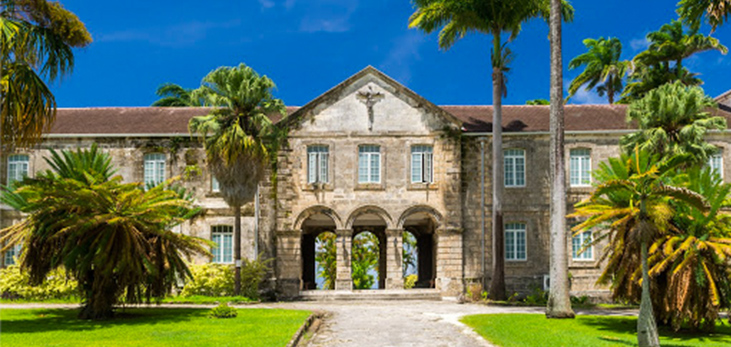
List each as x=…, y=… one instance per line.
x=422, y=164
x=317, y=164
x=369, y=164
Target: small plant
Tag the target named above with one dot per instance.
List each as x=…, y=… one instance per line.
x=223, y=311
x=410, y=281
x=484, y=295
x=538, y=297
x=514, y=297
x=580, y=300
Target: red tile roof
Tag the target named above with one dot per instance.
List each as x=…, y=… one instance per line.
x=174, y=120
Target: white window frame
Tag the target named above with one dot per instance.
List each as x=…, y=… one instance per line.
x=154, y=168
x=578, y=242
x=512, y=249
x=215, y=186
x=219, y=233
x=580, y=158
x=715, y=162
x=11, y=253
x=368, y=152
x=422, y=164
x=510, y=159
x=318, y=164
x=18, y=165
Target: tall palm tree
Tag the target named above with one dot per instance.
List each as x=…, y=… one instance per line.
x=36, y=41
x=455, y=19
x=673, y=119
x=173, y=95
x=602, y=68
x=113, y=238
x=715, y=12
x=632, y=207
x=239, y=138
x=559, y=301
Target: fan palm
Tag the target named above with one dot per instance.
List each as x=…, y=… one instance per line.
x=673, y=119
x=602, y=68
x=36, y=41
x=672, y=43
x=716, y=12
x=632, y=207
x=457, y=18
x=113, y=238
x=239, y=138
x=173, y=95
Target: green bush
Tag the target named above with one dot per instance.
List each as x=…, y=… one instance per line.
x=15, y=284
x=223, y=311
x=410, y=281
x=218, y=279
x=538, y=297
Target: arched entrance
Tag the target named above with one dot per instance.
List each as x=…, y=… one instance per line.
x=369, y=225
x=422, y=222
x=319, y=262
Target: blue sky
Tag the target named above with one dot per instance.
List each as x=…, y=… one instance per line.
x=308, y=46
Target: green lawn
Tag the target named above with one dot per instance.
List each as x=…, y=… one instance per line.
x=535, y=330
x=149, y=327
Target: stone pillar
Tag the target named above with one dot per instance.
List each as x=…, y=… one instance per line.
x=449, y=261
x=394, y=259
x=343, y=245
x=289, y=263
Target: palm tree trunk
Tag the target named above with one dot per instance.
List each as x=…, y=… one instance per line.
x=237, y=250
x=610, y=90
x=647, y=335
x=497, y=284
x=559, y=302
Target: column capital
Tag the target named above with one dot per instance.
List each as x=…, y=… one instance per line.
x=288, y=232
x=449, y=231
x=344, y=232
x=394, y=232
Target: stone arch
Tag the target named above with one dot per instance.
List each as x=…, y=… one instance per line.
x=432, y=212
x=369, y=209
x=318, y=209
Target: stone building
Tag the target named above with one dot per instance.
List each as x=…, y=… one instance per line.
x=370, y=155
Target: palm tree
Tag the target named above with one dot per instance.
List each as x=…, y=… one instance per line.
x=173, y=95
x=457, y=18
x=538, y=102
x=602, y=68
x=113, y=238
x=646, y=78
x=632, y=206
x=673, y=119
x=239, y=138
x=716, y=12
x=36, y=41
x=559, y=301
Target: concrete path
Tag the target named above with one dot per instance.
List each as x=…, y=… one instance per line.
x=388, y=323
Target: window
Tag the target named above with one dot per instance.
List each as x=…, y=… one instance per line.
x=515, y=241
x=580, y=167
x=154, y=169
x=715, y=162
x=215, y=187
x=514, y=167
x=17, y=167
x=369, y=164
x=317, y=164
x=578, y=242
x=222, y=236
x=422, y=164
x=11, y=253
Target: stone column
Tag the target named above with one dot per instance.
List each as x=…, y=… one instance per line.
x=289, y=263
x=449, y=261
x=394, y=259
x=343, y=245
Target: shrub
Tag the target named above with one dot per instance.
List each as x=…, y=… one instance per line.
x=538, y=297
x=223, y=311
x=15, y=284
x=218, y=279
x=252, y=274
x=410, y=281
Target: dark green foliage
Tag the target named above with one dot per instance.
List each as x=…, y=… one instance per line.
x=223, y=311
x=714, y=12
x=326, y=258
x=603, y=68
x=365, y=260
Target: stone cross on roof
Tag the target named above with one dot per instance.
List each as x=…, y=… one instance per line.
x=370, y=98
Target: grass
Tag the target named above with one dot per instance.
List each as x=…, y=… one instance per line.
x=200, y=299
x=596, y=331
x=149, y=327
x=72, y=300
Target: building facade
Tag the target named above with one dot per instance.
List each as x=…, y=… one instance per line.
x=370, y=155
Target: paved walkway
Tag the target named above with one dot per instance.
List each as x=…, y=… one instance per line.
x=389, y=323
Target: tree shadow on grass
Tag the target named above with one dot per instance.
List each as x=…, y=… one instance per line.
x=624, y=325
x=45, y=320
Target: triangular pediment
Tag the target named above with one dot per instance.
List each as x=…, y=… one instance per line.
x=370, y=102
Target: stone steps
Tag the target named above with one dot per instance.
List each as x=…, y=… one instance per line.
x=370, y=294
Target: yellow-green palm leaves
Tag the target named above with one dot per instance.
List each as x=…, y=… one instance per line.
x=603, y=68
x=114, y=238
x=715, y=12
x=36, y=40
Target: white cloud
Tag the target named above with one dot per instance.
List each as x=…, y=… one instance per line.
x=404, y=50
x=184, y=34
x=584, y=96
x=266, y=4
x=639, y=44
x=331, y=16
